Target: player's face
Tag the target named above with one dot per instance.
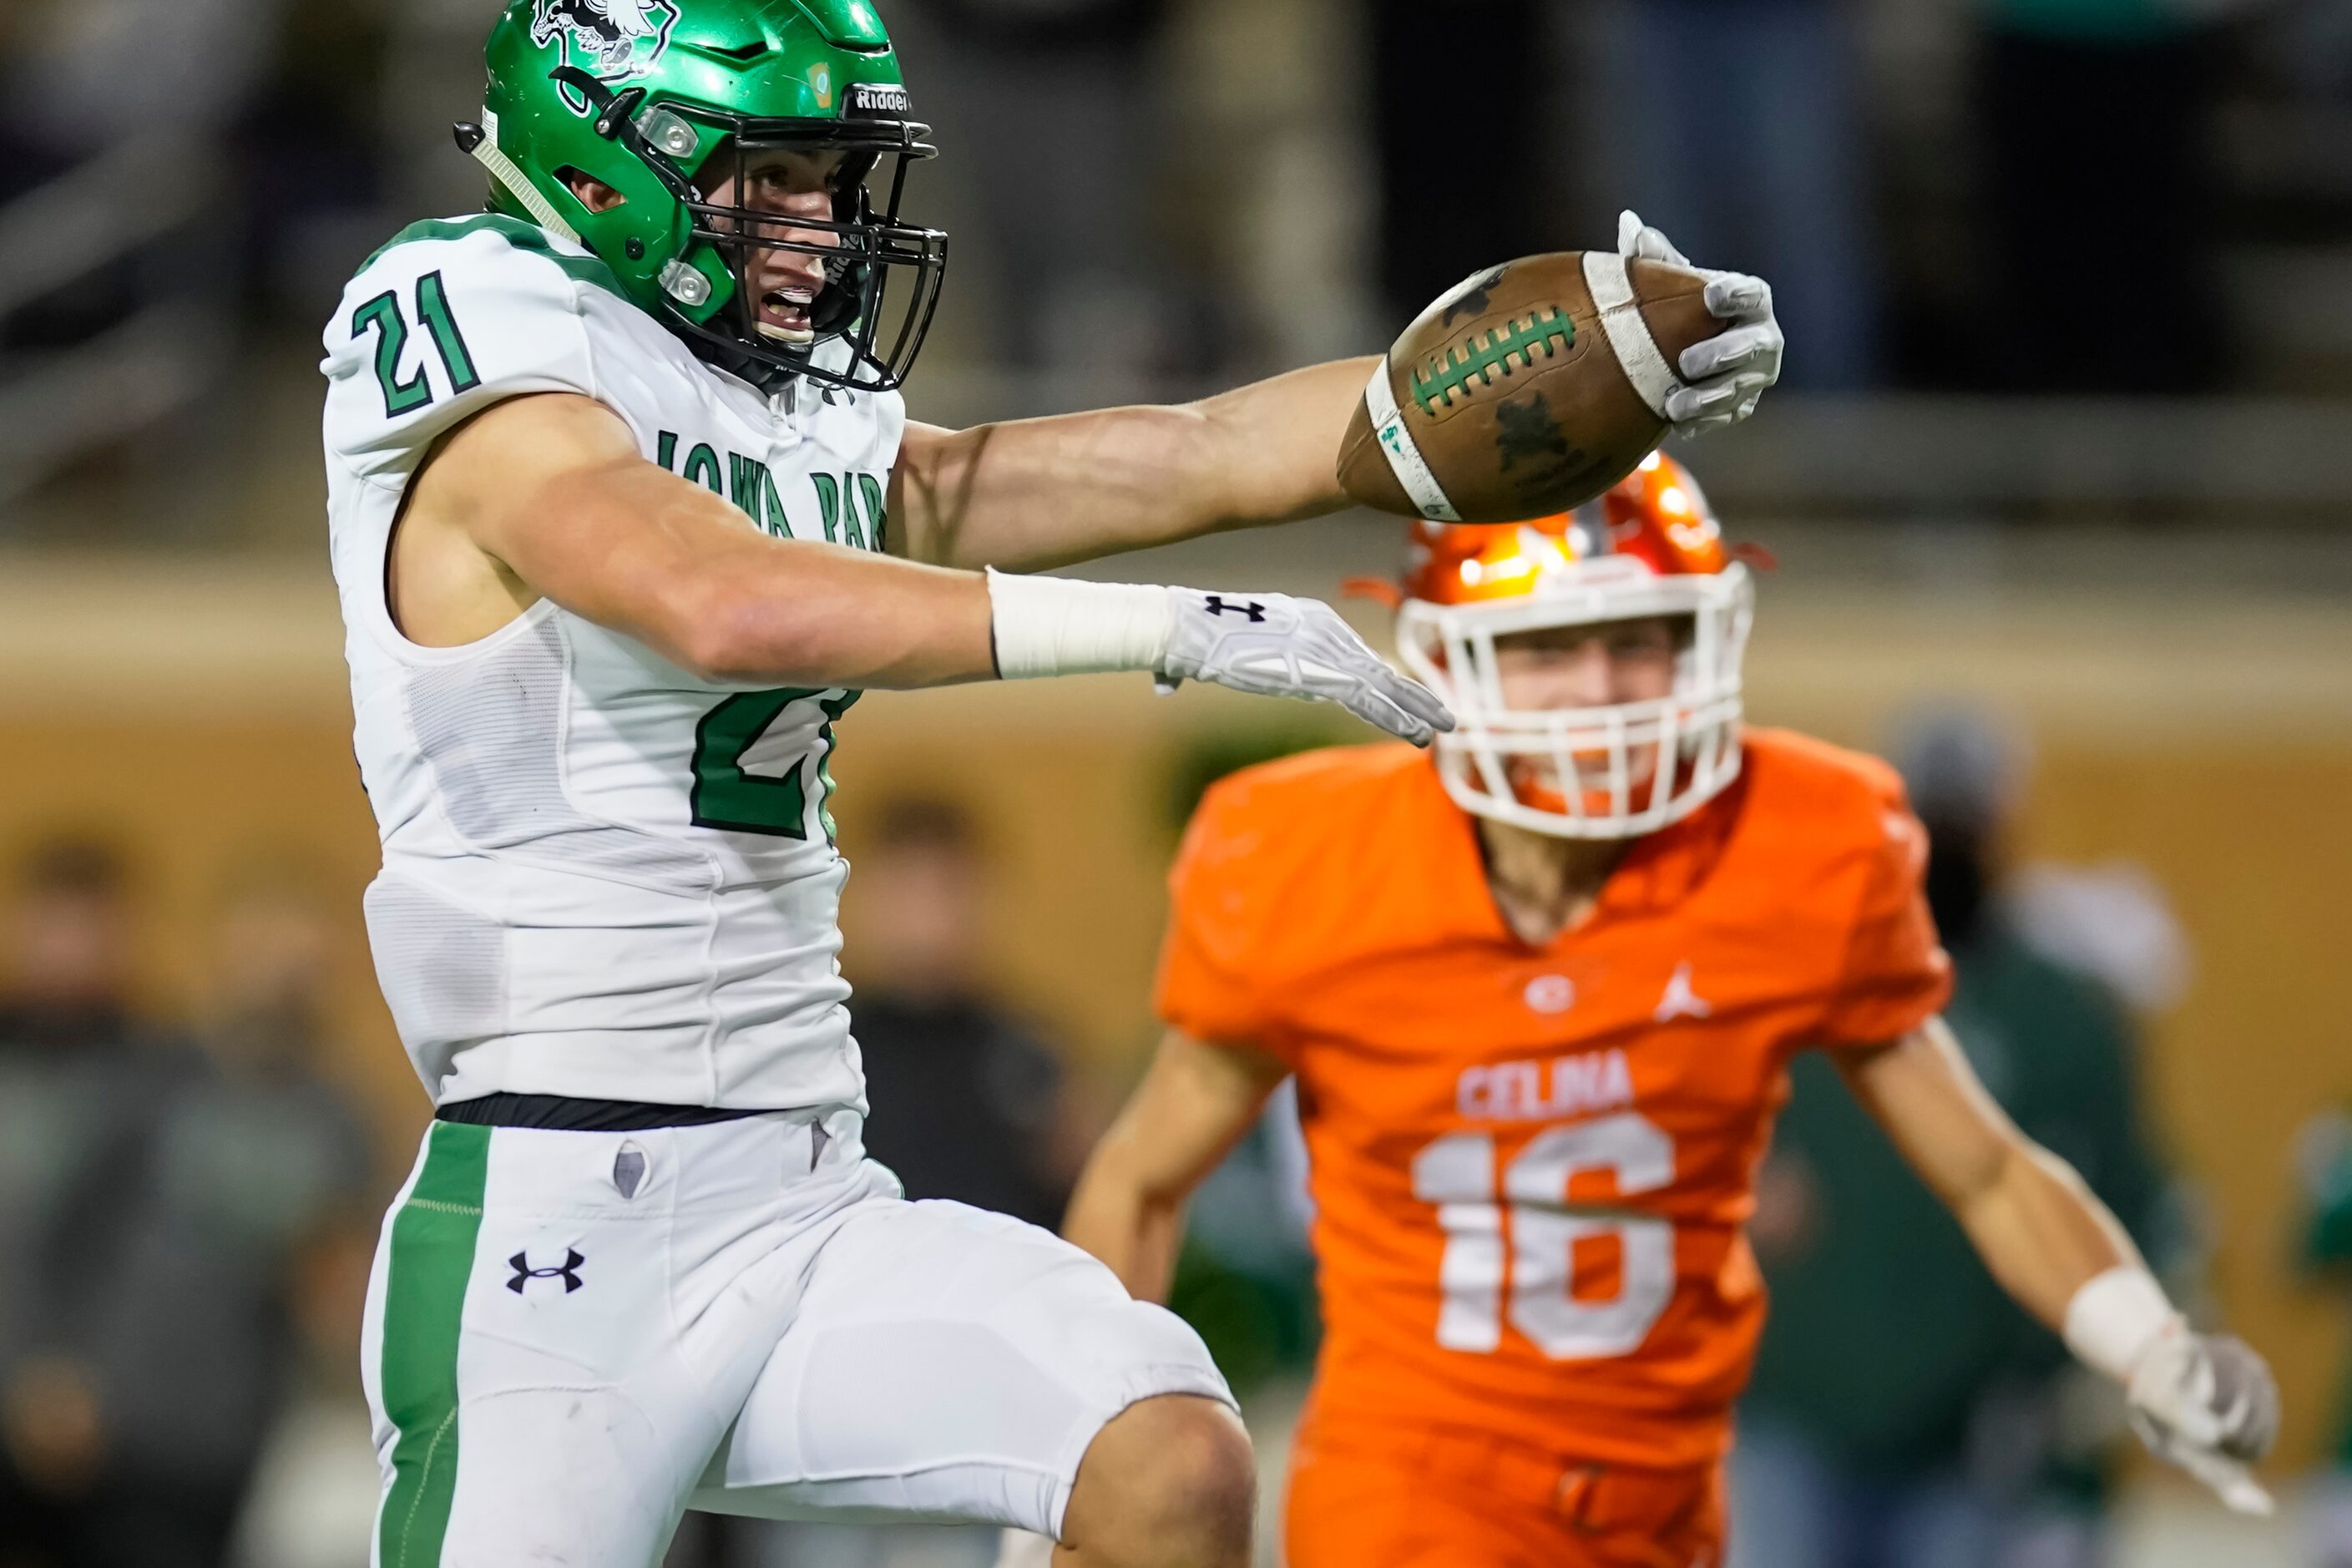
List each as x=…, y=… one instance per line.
x=1564, y=668
x=1588, y=666
x=791, y=185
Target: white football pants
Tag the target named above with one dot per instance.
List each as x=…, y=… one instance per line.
x=573, y=1337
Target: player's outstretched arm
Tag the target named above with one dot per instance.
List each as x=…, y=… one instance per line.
x=548, y=496
x=1032, y=493
x=1191, y=1108
x=1035, y=493
x=2207, y=1403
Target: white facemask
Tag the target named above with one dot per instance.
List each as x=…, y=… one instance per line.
x=1621, y=770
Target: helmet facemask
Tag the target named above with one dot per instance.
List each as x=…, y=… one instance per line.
x=864, y=333
x=1612, y=771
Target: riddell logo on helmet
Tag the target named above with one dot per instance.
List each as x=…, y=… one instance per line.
x=612, y=40
x=879, y=98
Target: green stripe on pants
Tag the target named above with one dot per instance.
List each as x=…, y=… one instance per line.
x=425, y=1301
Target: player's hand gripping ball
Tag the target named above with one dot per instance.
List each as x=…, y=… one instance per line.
x=1531, y=387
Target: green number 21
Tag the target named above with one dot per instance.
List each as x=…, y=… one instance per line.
x=382, y=316
x=726, y=795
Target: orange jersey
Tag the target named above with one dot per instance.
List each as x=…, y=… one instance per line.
x=1532, y=1166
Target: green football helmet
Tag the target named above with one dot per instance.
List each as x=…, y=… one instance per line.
x=665, y=101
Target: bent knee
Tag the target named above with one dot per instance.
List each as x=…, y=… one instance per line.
x=1169, y=1483
x=1200, y=1465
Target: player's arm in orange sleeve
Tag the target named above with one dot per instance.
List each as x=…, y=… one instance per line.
x=1193, y=1106
x=2207, y=1403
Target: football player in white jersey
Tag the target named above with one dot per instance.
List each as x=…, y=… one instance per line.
x=625, y=512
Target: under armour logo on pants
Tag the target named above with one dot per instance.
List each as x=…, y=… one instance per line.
x=524, y=1273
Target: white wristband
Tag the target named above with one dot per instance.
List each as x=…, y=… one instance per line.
x=2113, y=1318
x=1055, y=625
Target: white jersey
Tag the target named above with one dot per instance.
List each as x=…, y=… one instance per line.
x=603, y=876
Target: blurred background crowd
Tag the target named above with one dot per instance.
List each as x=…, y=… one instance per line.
x=2058, y=481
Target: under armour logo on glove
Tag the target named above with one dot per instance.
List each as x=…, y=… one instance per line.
x=1282, y=646
x=524, y=1273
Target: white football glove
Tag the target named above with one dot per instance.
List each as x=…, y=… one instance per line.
x=2209, y=1403
x=1724, y=375
x=1271, y=645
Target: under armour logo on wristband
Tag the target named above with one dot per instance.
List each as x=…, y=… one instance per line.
x=524, y=1273
x=1219, y=605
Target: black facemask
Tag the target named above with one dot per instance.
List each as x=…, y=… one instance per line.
x=866, y=242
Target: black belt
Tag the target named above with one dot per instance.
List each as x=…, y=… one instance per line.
x=560, y=1113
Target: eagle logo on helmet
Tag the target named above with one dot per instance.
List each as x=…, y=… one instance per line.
x=612, y=40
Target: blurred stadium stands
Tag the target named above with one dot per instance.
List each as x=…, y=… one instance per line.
x=2146, y=569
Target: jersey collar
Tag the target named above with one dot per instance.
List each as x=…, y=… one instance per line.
x=1660, y=871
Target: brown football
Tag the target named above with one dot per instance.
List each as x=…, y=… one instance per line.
x=1518, y=394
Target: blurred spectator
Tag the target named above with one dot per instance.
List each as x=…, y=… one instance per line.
x=257, y=1230
x=85, y=1085
x=316, y=1483
x=968, y=1103
x=156, y=1214
x=2095, y=117
x=1904, y=1414
x=1743, y=140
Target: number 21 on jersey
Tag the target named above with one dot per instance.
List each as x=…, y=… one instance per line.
x=382, y=316
x=1510, y=1247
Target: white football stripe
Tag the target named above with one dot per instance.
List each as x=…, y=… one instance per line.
x=1629, y=335
x=1405, y=461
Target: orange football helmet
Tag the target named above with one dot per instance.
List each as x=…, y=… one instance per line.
x=1649, y=547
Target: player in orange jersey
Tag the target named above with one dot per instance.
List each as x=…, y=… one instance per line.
x=1539, y=994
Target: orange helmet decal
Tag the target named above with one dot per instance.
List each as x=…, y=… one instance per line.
x=1659, y=513
x=1656, y=514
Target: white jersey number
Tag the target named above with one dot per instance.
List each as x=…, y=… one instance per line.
x=1534, y=1253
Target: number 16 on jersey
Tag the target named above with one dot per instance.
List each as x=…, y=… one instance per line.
x=1517, y=1245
